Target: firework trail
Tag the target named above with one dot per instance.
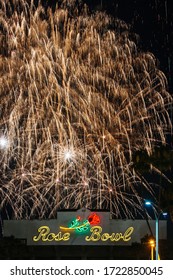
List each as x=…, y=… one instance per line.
x=77, y=100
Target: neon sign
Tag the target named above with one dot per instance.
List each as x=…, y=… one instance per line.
x=88, y=226
x=82, y=226
x=96, y=235
x=94, y=219
x=45, y=235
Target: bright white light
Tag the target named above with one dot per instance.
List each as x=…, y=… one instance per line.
x=147, y=203
x=3, y=142
x=165, y=214
x=68, y=155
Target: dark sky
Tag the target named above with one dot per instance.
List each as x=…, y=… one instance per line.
x=152, y=20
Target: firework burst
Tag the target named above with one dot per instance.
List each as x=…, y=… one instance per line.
x=77, y=100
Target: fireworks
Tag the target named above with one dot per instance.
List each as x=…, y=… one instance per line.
x=77, y=100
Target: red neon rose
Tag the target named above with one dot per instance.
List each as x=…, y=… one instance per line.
x=94, y=219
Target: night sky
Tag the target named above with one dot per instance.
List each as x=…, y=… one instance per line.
x=152, y=20
x=151, y=24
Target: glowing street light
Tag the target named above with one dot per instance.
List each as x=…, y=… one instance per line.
x=157, y=216
x=152, y=245
x=164, y=214
x=148, y=203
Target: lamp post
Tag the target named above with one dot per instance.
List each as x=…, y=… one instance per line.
x=152, y=245
x=157, y=216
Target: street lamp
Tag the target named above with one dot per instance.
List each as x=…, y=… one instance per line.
x=157, y=216
x=152, y=245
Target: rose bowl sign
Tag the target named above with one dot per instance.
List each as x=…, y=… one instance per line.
x=82, y=227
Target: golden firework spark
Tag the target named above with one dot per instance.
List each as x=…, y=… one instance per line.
x=77, y=100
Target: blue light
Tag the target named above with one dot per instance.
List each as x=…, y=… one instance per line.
x=165, y=214
x=148, y=203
